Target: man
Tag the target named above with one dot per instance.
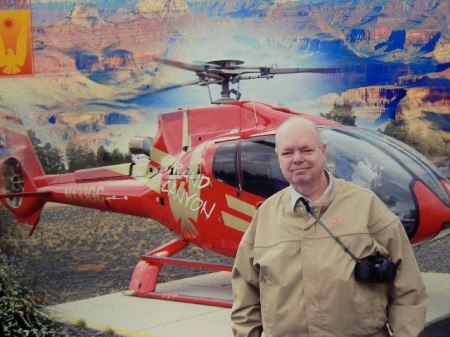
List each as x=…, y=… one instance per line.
x=292, y=279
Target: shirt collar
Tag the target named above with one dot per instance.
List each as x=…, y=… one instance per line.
x=295, y=195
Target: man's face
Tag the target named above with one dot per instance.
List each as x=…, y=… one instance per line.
x=301, y=156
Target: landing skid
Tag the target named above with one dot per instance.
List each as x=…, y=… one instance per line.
x=145, y=276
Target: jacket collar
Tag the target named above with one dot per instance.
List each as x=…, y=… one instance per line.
x=324, y=198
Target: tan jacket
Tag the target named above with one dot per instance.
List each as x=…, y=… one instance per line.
x=291, y=279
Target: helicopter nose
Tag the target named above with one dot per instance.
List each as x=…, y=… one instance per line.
x=434, y=214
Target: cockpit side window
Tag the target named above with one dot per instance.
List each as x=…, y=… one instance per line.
x=258, y=167
x=261, y=174
x=225, y=163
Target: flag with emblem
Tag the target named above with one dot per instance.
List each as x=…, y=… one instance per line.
x=16, y=57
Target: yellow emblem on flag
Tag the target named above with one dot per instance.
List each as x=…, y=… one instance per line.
x=16, y=57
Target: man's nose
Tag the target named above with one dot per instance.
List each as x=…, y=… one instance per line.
x=298, y=156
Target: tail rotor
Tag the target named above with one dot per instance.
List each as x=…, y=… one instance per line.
x=13, y=182
x=19, y=169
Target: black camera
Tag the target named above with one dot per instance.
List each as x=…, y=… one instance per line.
x=375, y=268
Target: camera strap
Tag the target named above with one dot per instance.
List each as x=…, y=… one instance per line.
x=311, y=214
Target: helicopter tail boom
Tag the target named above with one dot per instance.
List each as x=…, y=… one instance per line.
x=19, y=166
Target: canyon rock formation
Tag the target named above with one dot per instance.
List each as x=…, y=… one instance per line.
x=104, y=51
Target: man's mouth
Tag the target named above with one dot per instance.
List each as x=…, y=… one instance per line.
x=300, y=169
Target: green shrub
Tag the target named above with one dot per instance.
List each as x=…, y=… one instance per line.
x=19, y=314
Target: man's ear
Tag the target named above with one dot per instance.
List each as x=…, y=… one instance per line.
x=324, y=149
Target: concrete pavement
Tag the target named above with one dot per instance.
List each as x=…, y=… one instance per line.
x=143, y=317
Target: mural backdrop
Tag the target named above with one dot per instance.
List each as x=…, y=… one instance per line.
x=83, y=71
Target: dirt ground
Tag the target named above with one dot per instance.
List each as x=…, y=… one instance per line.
x=78, y=253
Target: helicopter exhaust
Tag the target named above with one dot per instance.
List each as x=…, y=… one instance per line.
x=140, y=145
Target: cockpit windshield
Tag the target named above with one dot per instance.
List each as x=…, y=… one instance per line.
x=356, y=160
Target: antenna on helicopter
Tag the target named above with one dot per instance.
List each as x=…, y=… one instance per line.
x=224, y=72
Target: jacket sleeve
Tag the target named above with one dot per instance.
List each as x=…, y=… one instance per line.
x=407, y=294
x=246, y=311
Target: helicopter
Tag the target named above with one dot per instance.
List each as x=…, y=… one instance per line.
x=207, y=170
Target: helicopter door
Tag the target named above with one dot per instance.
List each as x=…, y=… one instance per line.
x=250, y=165
x=225, y=164
x=259, y=167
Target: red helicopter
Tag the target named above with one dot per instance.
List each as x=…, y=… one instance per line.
x=208, y=169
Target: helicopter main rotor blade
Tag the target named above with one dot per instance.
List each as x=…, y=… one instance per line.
x=201, y=67
x=275, y=71
x=224, y=72
x=153, y=91
x=131, y=98
x=234, y=68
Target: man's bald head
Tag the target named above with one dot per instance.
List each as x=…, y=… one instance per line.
x=299, y=124
x=302, y=156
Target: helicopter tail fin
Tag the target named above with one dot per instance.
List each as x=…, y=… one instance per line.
x=19, y=166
